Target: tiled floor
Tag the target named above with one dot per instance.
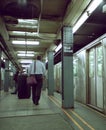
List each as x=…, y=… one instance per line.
x=10, y=105
x=80, y=118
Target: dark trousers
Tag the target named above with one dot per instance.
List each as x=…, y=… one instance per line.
x=36, y=88
x=16, y=88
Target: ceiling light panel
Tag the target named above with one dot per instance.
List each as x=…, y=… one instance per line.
x=28, y=55
x=25, y=42
x=94, y=4
x=22, y=33
x=28, y=52
x=28, y=22
x=25, y=61
x=25, y=66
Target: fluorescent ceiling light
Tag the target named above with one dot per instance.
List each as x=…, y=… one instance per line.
x=31, y=55
x=94, y=4
x=25, y=33
x=28, y=21
x=28, y=52
x=25, y=61
x=26, y=66
x=2, y=58
x=58, y=47
x=24, y=70
x=26, y=42
x=80, y=22
x=27, y=26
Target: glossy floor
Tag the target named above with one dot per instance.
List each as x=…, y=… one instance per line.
x=22, y=114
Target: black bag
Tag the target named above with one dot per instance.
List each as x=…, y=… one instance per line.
x=24, y=90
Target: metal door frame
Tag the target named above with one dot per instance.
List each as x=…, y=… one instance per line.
x=87, y=71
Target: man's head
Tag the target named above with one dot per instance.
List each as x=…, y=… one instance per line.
x=38, y=57
x=17, y=72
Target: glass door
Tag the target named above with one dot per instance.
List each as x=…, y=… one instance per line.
x=99, y=77
x=95, y=81
x=92, y=94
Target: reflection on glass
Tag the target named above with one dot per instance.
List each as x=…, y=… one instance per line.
x=91, y=62
x=99, y=60
x=75, y=66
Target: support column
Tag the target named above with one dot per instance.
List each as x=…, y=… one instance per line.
x=67, y=68
x=6, y=76
x=50, y=73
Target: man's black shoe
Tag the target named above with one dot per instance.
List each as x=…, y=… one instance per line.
x=36, y=103
x=13, y=93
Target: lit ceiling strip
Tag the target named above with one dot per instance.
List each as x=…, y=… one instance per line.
x=29, y=55
x=25, y=61
x=28, y=52
x=94, y=4
x=25, y=42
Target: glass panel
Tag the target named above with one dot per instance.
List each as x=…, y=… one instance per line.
x=91, y=63
x=75, y=66
x=99, y=60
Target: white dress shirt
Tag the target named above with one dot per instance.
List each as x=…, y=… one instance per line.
x=37, y=67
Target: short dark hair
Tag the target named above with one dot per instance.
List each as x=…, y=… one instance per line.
x=17, y=72
x=38, y=57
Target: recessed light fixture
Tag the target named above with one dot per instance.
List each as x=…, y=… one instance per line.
x=25, y=42
x=28, y=55
x=28, y=52
x=24, y=33
x=25, y=61
x=28, y=21
x=25, y=66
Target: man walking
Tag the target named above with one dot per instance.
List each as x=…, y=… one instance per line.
x=37, y=69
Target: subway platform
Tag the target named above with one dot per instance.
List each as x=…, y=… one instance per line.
x=22, y=114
